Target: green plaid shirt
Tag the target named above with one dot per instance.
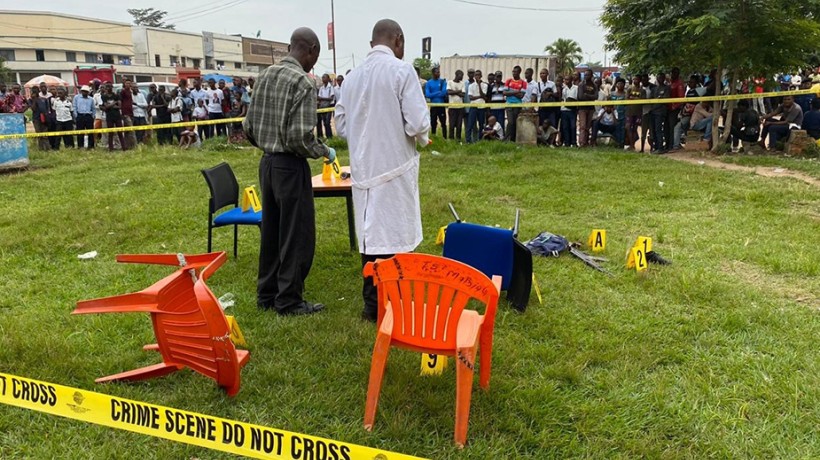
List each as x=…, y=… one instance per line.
x=282, y=114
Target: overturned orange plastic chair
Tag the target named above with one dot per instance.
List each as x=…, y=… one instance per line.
x=422, y=300
x=189, y=325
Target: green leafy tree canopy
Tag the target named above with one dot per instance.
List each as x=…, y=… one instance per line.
x=150, y=17
x=425, y=67
x=567, y=53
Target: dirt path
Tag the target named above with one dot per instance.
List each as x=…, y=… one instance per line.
x=765, y=171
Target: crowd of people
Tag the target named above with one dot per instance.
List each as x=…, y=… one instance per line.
x=663, y=125
x=99, y=105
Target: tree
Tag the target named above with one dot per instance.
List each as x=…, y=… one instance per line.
x=150, y=17
x=425, y=67
x=742, y=38
x=567, y=52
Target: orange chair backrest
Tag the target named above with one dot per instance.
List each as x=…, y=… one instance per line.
x=427, y=295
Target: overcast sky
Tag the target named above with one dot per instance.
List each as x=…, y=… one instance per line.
x=456, y=26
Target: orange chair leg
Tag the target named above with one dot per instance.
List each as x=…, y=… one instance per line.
x=144, y=373
x=465, y=363
x=374, y=388
x=486, y=359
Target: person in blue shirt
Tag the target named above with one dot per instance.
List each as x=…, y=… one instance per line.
x=436, y=91
x=811, y=120
x=804, y=100
x=84, y=111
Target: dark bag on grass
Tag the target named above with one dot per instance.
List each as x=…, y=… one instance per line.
x=547, y=244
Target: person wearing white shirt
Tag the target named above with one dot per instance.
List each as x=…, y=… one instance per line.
x=455, y=90
x=326, y=98
x=62, y=108
x=382, y=114
x=198, y=93
x=606, y=122
x=337, y=90
x=475, y=117
x=569, y=120
x=140, y=112
x=215, y=98
x=543, y=90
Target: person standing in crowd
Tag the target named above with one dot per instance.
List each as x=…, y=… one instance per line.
x=337, y=90
x=326, y=99
x=40, y=108
x=497, y=91
x=201, y=114
x=528, y=74
x=175, y=111
x=676, y=90
x=543, y=90
x=99, y=116
x=54, y=141
x=187, y=102
x=84, y=110
x=127, y=111
x=113, y=118
x=568, y=115
x=646, y=109
x=633, y=112
x=382, y=115
x=16, y=102
x=467, y=83
x=478, y=95
x=215, y=98
x=140, y=106
x=63, y=109
x=3, y=95
x=198, y=94
x=587, y=92
x=516, y=90
x=251, y=82
x=239, y=109
x=455, y=91
x=226, y=101
x=436, y=92
x=160, y=102
x=280, y=121
x=658, y=114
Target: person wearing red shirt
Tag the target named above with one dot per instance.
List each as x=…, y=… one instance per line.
x=515, y=93
x=677, y=89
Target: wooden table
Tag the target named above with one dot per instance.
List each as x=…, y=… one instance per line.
x=338, y=188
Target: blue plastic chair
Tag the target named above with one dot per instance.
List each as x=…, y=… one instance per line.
x=225, y=192
x=493, y=251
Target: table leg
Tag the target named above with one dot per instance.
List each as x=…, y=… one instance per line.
x=351, y=226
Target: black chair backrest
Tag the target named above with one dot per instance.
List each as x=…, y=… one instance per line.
x=224, y=187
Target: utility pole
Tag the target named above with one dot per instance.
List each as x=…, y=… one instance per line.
x=333, y=28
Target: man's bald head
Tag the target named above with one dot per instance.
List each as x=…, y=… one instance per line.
x=304, y=47
x=387, y=32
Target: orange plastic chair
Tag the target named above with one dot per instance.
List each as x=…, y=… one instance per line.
x=189, y=325
x=421, y=304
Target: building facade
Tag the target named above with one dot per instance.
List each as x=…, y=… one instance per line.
x=504, y=63
x=36, y=43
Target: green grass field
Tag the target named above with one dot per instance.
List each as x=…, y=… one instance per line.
x=713, y=356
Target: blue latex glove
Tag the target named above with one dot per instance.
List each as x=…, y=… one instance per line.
x=331, y=155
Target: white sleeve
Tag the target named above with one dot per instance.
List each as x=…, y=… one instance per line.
x=340, y=117
x=413, y=106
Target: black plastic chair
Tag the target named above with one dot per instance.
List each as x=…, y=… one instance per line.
x=225, y=192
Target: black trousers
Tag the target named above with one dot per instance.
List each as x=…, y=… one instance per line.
x=370, y=293
x=68, y=139
x=456, y=121
x=323, y=121
x=85, y=121
x=140, y=135
x=512, y=120
x=220, y=128
x=439, y=114
x=669, y=127
x=288, y=231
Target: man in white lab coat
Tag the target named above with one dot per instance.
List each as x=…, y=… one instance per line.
x=382, y=114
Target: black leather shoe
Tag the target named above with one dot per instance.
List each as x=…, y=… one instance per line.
x=371, y=317
x=655, y=258
x=305, y=308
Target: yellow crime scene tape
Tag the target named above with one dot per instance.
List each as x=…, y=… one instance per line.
x=182, y=124
x=178, y=425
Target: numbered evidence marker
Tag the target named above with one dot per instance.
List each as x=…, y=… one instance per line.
x=637, y=255
x=250, y=200
x=597, y=240
x=331, y=168
x=433, y=364
x=236, y=334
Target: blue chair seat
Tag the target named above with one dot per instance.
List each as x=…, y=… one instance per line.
x=236, y=217
x=488, y=249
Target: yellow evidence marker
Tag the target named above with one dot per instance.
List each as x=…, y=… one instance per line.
x=236, y=334
x=250, y=200
x=597, y=240
x=637, y=254
x=432, y=364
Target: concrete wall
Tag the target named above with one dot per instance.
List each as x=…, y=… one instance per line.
x=262, y=53
x=228, y=50
x=47, y=31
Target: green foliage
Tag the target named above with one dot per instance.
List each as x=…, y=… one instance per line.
x=745, y=37
x=425, y=67
x=568, y=54
x=150, y=17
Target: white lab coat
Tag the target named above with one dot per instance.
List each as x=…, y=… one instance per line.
x=382, y=113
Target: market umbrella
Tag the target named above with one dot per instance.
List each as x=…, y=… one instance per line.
x=49, y=80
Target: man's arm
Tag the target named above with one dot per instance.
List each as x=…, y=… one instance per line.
x=340, y=116
x=302, y=116
x=414, y=110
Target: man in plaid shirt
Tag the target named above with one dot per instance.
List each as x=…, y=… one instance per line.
x=280, y=121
